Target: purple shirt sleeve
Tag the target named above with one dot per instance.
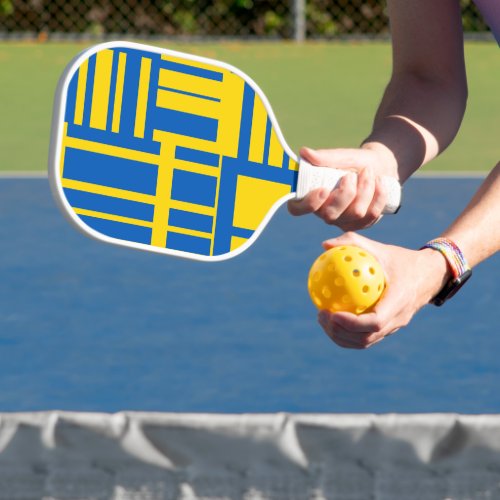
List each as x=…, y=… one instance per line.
x=490, y=9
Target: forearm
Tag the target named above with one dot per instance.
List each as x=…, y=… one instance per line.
x=416, y=120
x=424, y=103
x=477, y=230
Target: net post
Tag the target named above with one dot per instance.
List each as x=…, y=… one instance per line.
x=299, y=20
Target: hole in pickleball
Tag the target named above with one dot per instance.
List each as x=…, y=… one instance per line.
x=317, y=301
x=346, y=299
x=360, y=309
x=379, y=288
x=317, y=276
x=366, y=289
x=339, y=281
x=356, y=273
x=372, y=270
x=348, y=258
x=363, y=254
x=326, y=292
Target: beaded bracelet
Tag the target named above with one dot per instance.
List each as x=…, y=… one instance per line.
x=452, y=254
x=459, y=267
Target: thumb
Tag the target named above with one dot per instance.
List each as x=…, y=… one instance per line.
x=349, y=238
x=336, y=158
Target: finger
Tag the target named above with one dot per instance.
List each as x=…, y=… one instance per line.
x=338, y=334
x=358, y=340
x=345, y=344
x=348, y=238
x=393, y=311
x=313, y=156
x=342, y=340
x=366, y=324
x=310, y=203
x=375, y=341
x=393, y=332
x=357, y=225
x=358, y=214
x=374, y=211
x=349, y=338
x=379, y=200
x=372, y=221
x=353, y=340
x=339, y=199
x=384, y=319
x=338, y=158
x=365, y=190
x=362, y=340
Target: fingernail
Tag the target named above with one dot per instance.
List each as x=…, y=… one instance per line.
x=334, y=322
x=323, y=194
x=335, y=325
x=323, y=316
x=306, y=150
x=347, y=178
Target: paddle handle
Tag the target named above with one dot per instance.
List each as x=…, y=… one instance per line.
x=312, y=177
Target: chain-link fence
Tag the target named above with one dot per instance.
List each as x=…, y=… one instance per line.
x=205, y=18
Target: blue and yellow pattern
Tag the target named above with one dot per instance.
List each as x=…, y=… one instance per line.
x=169, y=152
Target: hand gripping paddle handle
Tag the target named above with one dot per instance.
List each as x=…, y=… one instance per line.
x=313, y=177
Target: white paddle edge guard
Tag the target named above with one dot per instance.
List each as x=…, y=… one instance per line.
x=313, y=177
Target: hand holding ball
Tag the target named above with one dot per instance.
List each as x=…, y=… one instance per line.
x=346, y=278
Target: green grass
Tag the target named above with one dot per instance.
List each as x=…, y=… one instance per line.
x=323, y=94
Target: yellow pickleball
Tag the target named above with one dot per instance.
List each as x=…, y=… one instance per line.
x=346, y=278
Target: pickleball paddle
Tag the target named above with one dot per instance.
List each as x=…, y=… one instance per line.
x=172, y=153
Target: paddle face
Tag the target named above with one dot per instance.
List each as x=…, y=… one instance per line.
x=167, y=152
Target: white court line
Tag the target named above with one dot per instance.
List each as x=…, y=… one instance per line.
x=454, y=174
x=23, y=175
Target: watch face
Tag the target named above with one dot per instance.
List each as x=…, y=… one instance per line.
x=451, y=288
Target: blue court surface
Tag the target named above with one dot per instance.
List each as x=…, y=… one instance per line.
x=92, y=327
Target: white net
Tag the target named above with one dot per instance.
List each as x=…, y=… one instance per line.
x=153, y=456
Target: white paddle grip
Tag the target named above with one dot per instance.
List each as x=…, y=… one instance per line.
x=313, y=177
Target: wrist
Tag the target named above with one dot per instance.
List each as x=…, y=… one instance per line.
x=437, y=273
x=388, y=165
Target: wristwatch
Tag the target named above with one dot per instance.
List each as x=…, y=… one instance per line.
x=460, y=270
